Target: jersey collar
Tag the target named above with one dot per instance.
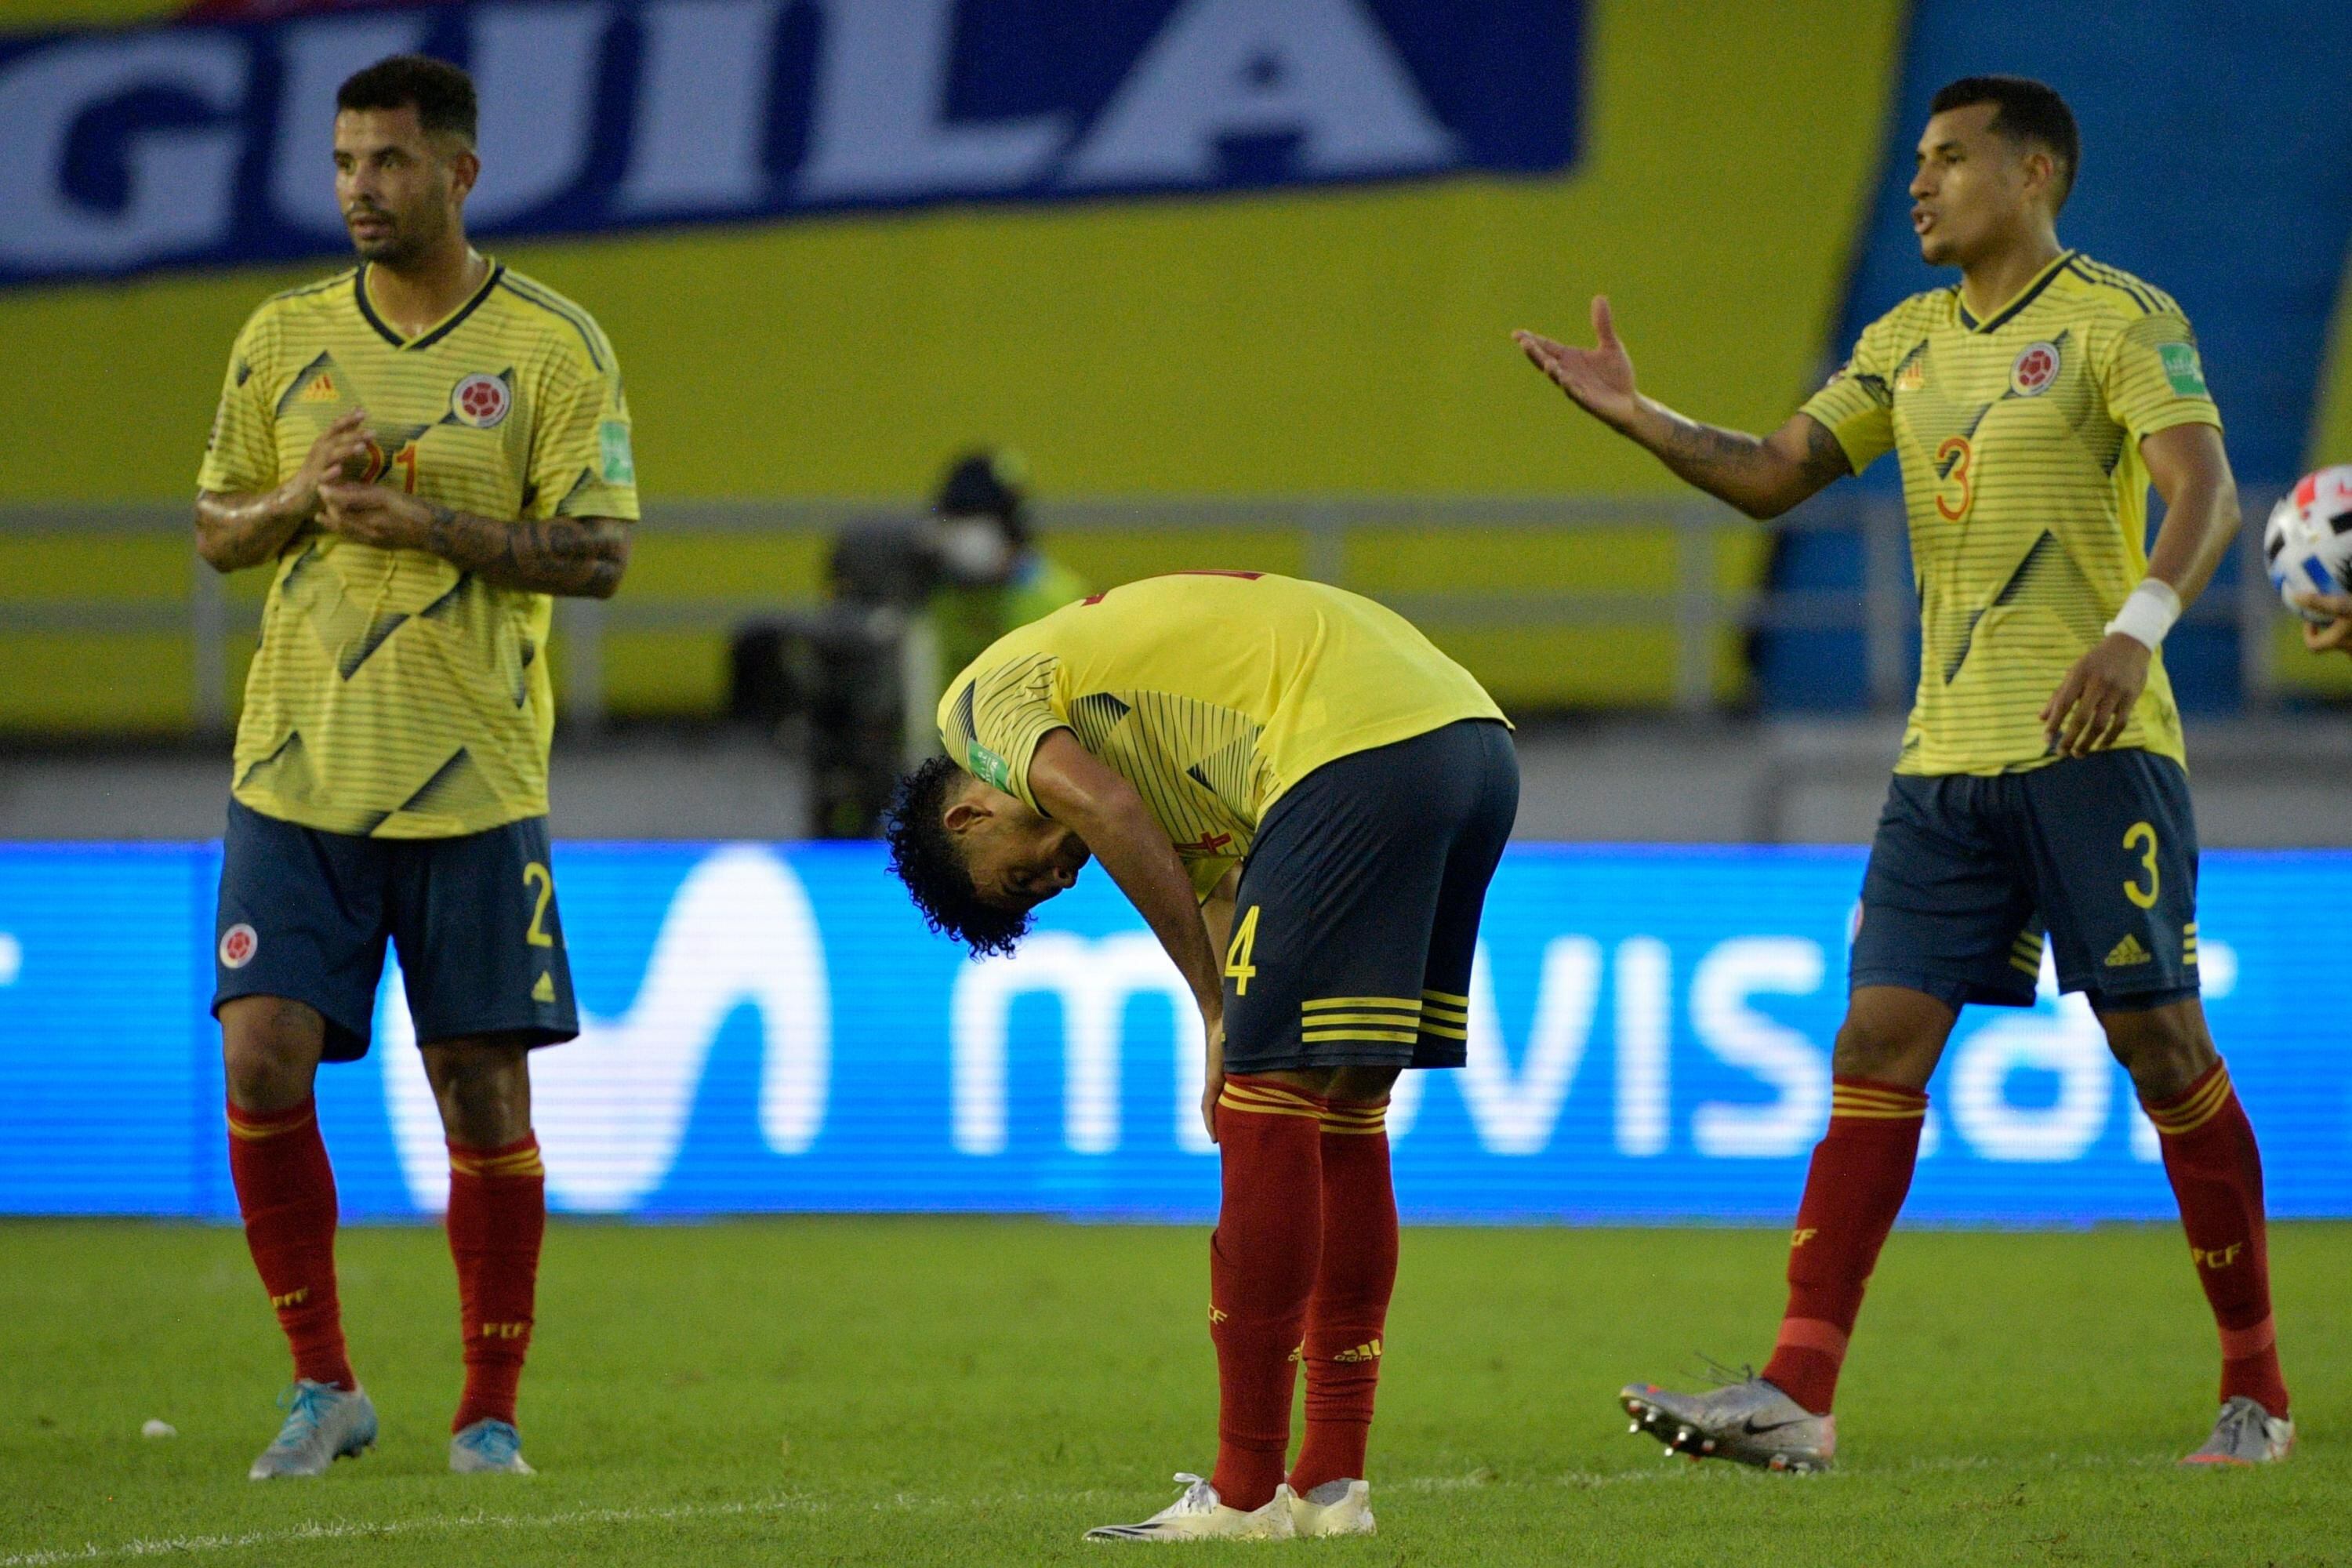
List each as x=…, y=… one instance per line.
x=439, y=330
x=2025, y=295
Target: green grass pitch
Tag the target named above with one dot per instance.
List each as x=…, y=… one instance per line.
x=835, y=1391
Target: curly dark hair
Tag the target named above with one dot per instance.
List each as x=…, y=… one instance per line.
x=924, y=856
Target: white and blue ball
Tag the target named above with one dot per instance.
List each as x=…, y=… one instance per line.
x=2307, y=543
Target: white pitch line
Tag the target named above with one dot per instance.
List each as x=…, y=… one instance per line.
x=1580, y=1481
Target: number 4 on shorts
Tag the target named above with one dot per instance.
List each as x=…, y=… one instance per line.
x=1238, y=967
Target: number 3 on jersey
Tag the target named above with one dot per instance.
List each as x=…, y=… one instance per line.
x=1238, y=967
x=1956, y=464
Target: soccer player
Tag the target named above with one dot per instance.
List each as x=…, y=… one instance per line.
x=2040, y=786
x=1224, y=741
x=423, y=448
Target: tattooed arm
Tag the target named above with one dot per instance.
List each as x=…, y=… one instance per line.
x=1762, y=476
x=233, y=532
x=582, y=557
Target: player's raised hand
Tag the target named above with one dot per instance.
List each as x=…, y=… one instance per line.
x=2335, y=636
x=2091, y=707
x=1600, y=379
x=339, y=453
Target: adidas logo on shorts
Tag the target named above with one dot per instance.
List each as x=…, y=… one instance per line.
x=2127, y=953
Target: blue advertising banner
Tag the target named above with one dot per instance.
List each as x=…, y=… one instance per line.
x=210, y=143
x=770, y=1028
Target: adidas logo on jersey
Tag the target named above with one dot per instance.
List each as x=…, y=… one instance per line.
x=323, y=390
x=2126, y=952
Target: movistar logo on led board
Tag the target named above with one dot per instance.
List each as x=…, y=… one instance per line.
x=770, y=1027
x=203, y=144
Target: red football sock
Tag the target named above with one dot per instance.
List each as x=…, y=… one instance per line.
x=285, y=1191
x=497, y=1213
x=1262, y=1267
x=2217, y=1175
x=1348, y=1312
x=1860, y=1175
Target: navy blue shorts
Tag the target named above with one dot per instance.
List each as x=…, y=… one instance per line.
x=1968, y=872
x=1357, y=916
x=304, y=915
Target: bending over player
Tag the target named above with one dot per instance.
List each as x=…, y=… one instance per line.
x=1232, y=741
x=2041, y=783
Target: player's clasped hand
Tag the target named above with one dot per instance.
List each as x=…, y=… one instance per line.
x=2095, y=702
x=339, y=453
x=2335, y=636
x=374, y=514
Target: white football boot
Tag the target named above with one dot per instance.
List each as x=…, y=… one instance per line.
x=324, y=1423
x=488, y=1447
x=2245, y=1434
x=1198, y=1515
x=1335, y=1508
x=1749, y=1422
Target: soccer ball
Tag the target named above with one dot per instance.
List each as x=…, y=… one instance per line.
x=2307, y=542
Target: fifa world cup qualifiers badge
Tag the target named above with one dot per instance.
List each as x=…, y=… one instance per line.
x=237, y=946
x=989, y=768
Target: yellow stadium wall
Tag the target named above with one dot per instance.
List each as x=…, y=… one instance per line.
x=1333, y=341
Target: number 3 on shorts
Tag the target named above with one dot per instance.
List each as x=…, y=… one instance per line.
x=1238, y=967
x=2142, y=836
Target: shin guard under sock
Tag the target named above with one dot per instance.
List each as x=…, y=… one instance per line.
x=2217, y=1175
x=1262, y=1267
x=1860, y=1173
x=497, y=1214
x=1346, y=1316
x=286, y=1192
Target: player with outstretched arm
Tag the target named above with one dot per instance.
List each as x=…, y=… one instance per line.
x=2041, y=786
x=422, y=449
x=1294, y=777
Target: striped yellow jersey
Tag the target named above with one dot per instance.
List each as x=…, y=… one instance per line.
x=2019, y=437
x=1211, y=692
x=394, y=695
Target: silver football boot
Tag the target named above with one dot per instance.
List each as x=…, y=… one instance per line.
x=324, y=1423
x=2245, y=1434
x=1749, y=1422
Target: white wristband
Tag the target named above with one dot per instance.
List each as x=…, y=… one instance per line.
x=2148, y=612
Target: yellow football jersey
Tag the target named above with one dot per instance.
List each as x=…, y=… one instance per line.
x=1211, y=692
x=2027, y=495
x=394, y=695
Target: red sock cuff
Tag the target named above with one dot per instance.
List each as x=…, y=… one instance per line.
x=249, y=1124
x=1264, y=1097
x=519, y=1158
x=2194, y=1106
x=1871, y=1099
x=1356, y=1117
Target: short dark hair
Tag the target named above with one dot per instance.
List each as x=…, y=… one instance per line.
x=924, y=856
x=2023, y=111
x=442, y=95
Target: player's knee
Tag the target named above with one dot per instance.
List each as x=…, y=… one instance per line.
x=483, y=1089
x=1885, y=1050
x=2164, y=1049
x=269, y=1051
